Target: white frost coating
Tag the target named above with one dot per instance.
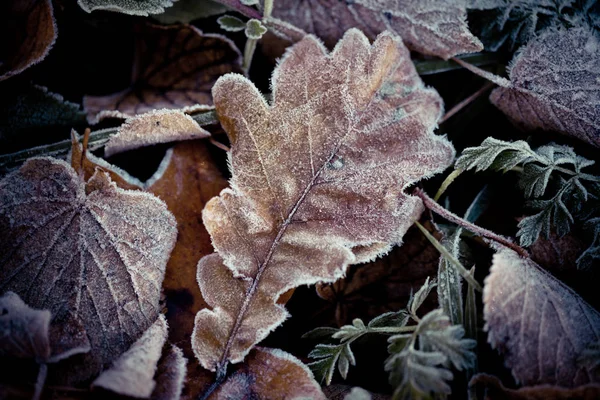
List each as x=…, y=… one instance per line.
x=132, y=374
x=131, y=7
x=170, y=375
x=158, y=126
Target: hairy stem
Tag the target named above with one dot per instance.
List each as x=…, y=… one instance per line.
x=40, y=382
x=245, y=10
x=267, y=8
x=448, y=256
x=438, y=209
x=249, y=53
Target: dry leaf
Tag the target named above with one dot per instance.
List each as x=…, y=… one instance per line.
x=170, y=375
x=491, y=388
x=537, y=323
x=371, y=289
x=91, y=253
x=436, y=27
x=188, y=180
x=317, y=181
x=270, y=374
x=175, y=67
x=555, y=85
x=131, y=7
x=158, y=126
x=133, y=372
x=28, y=32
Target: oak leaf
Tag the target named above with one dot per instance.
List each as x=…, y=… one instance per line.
x=133, y=372
x=555, y=85
x=539, y=325
x=158, y=126
x=89, y=252
x=488, y=387
x=28, y=32
x=257, y=379
x=317, y=181
x=436, y=27
x=174, y=67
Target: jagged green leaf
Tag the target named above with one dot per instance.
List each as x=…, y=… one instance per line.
x=231, y=24
x=418, y=298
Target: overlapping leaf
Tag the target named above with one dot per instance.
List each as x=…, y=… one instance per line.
x=436, y=27
x=539, y=324
x=174, y=67
x=555, y=85
x=28, y=32
x=132, y=7
x=317, y=181
x=92, y=254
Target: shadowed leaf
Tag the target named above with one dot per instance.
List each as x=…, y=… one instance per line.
x=89, y=252
x=270, y=374
x=132, y=373
x=28, y=32
x=170, y=375
x=539, y=325
x=317, y=181
x=175, y=67
x=158, y=126
x=555, y=85
x=436, y=27
x=185, y=11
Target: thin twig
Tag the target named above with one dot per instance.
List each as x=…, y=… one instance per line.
x=467, y=101
x=219, y=379
x=438, y=209
x=40, y=382
x=218, y=144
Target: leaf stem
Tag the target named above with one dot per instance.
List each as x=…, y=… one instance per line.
x=243, y=9
x=249, y=53
x=446, y=254
x=438, y=209
x=454, y=110
x=447, y=182
x=392, y=330
x=40, y=382
x=267, y=8
x=219, y=379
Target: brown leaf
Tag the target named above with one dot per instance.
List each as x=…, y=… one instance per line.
x=383, y=285
x=28, y=32
x=189, y=180
x=436, y=27
x=175, y=67
x=491, y=388
x=537, y=323
x=133, y=372
x=170, y=375
x=343, y=392
x=317, y=181
x=158, y=126
x=270, y=374
x=89, y=252
x=555, y=84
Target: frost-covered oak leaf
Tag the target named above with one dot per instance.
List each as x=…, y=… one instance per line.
x=174, y=67
x=539, y=325
x=317, y=180
x=436, y=27
x=555, y=85
x=92, y=254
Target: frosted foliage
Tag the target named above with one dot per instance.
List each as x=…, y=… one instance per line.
x=92, y=254
x=170, y=375
x=540, y=325
x=316, y=174
x=256, y=379
x=133, y=372
x=436, y=27
x=159, y=126
x=132, y=7
x=556, y=85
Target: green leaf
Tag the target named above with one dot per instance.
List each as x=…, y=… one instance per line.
x=592, y=253
x=320, y=332
x=249, y=2
x=231, y=24
x=392, y=319
x=418, y=298
x=131, y=7
x=186, y=11
x=255, y=29
x=327, y=357
x=495, y=154
x=449, y=288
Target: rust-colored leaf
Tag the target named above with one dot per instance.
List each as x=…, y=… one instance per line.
x=436, y=27
x=489, y=387
x=270, y=374
x=317, y=181
x=89, y=252
x=158, y=126
x=175, y=67
x=188, y=181
x=170, y=375
x=28, y=32
x=555, y=85
x=383, y=285
x=133, y=372
x=539, y=325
